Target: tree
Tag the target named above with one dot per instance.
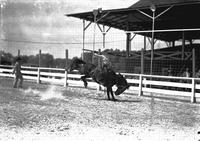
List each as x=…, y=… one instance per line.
x=46, y=60
x=6, y=58
x=88, y=57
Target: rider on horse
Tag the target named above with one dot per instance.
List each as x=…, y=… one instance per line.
x=105, y=64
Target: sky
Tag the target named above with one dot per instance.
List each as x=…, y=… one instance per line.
x=31, y=25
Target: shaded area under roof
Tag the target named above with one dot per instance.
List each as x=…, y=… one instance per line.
x=158, y=3
x=182, y=14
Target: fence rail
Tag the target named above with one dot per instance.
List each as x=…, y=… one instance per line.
x=140, y=84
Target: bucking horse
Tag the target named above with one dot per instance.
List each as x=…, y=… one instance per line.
x=106, y=78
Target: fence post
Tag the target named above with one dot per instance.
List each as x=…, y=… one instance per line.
x=193, y=98
x=66, y=67
x=65, y=81
x=39, y=58
x=18, y=53
x=39, y=65
x=38, y=76
x=140, y=85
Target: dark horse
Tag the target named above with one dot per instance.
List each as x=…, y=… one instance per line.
x=106, y=78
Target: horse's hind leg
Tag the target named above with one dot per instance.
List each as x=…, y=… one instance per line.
x=109, y=90
x=83, y=78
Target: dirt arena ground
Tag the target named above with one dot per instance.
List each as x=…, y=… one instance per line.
x=48, y=112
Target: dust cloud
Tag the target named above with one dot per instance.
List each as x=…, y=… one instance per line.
x=51, y=92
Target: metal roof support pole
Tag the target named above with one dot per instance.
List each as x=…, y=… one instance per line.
x=103, y=31
x=95, y=13
x=131, y=38
x=83, y=39
x=104, y=37
x=145, y=43
x=2, y=3
x=153, y=9
x=128, y=44
x=149, y=40
x=100, y=10
x=167, y=44
x=173, y=43
x=193, y=63
x=183, y=45
x=191, y=42
x=163, y=12
x=154, y=40
x=84, y=29
x=94, y=34
x=142, y=55
x=158, y=14
x=142, y=61
x=193, y=59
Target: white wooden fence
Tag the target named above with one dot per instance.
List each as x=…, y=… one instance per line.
x=140, y=84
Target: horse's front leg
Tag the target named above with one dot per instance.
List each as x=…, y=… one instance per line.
x=109, y=90
x=113, y=97
x=83, y=78
x=108, y=93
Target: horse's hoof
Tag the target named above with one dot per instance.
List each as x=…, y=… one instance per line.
x=85, y=85
x=114, y=99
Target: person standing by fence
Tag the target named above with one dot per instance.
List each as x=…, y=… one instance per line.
x=17, y=73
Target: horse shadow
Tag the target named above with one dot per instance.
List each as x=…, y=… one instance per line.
x=127, y=100
x=119, y=100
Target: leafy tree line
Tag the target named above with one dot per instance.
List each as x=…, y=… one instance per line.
x=46, y=60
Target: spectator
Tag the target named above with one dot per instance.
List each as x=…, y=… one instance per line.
x=197, y=75
x=169, y=72
x=186, y=73
x=17, y=73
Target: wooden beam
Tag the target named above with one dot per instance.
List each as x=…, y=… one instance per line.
x=128, y=44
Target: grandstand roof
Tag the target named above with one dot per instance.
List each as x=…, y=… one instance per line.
x=175, y=15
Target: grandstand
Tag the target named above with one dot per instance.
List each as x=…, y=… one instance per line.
x=167, y=21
